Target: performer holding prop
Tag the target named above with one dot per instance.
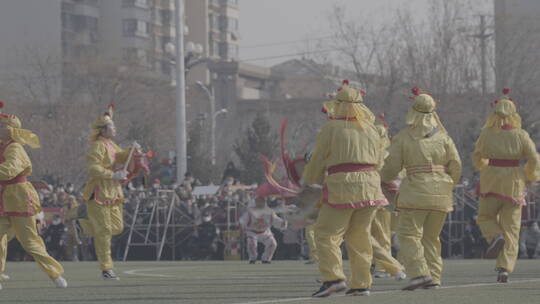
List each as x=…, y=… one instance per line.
x=107, y=167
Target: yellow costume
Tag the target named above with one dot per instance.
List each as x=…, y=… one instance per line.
x=381, y=232
x=309, y=235
x=4, y=240
x=433, y=167
x=348, y=151
x=102, y=193
x=19, y=201
x=500, y=148
x=69, y=210
x=382, y=244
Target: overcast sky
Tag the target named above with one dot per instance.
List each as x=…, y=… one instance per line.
x=270, y=28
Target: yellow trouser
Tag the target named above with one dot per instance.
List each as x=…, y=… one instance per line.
x=353, y=225
x=420, y=250
x=309, y=234
x=26, y=232
x=4, y=240
x=105, y=221
x=382, y=249
x=496, y=217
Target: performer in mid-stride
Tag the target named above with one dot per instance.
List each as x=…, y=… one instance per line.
x=346, y=158
x=103, y=191
x=499, y=150
x=19, y=201
x=257, y=222
x=433, y=168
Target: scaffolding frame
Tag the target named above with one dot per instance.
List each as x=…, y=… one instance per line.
x=150, y=222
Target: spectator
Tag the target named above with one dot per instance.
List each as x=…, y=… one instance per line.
x=54, y=237
x=206, y=237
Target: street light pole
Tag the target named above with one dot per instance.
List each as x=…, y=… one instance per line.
x=213, y=135
x=211, y=98
x=181, y=137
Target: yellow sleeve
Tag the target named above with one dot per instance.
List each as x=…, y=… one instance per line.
x=393, y=164
x=532, y=167
x=385, y=144
x=94, y=159
x=453, y=161
x=15, y=162
x=121, y=154
x=478, y=162
x=316, y=167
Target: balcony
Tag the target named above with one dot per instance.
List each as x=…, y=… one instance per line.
x=84, y=9
x=164, y=4
x=143, y=4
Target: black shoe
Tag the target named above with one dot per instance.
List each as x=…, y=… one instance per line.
x=357, y=292
x=252, y=262
x=432, y=286
x=502, y=276
x=329, y=288
x=109, y=275
x=418, y=282
x=266, y=262
x=495, y=247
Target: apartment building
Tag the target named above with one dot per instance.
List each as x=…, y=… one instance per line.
x=129, y=32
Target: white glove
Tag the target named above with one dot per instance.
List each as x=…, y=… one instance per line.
x=120, y=175
x=136, y=145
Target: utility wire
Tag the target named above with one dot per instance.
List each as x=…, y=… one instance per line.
x=284, y=42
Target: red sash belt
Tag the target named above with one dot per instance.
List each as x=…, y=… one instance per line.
x=504, y=162
x=425, y=169
x=16, y=180
x=350, y=168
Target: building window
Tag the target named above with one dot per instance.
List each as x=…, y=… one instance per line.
x=137, y=56
x=135, y=3
x=233, y=51
x=93, y=3
x=129, y=26
x=230, y=2
x=166, y=17
x=92, y=23
x=214, y=48
x=134, y=27
x=232, y=25
x=67, y=22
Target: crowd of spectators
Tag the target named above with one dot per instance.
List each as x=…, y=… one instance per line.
x=207, y=216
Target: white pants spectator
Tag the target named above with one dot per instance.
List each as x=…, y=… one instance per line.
x=267, y=239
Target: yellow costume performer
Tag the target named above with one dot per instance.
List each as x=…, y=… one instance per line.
x=19, y=201
x=500, y=148
x=385, y=264
x=103, y=191
x=433, y=167
x=69, y=210
x=347, y=155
